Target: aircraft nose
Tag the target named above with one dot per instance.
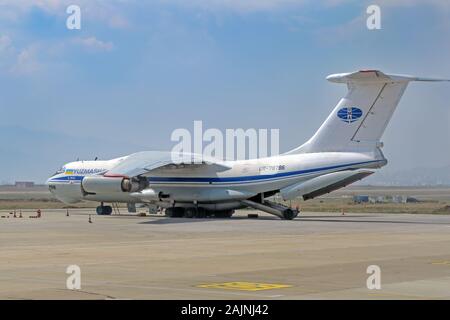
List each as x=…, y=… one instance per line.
x=50, y=185
x=49, y=181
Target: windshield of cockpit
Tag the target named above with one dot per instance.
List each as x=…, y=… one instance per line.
x=59, y=171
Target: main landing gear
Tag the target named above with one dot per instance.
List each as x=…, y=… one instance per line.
x=103, y=210
x=193, y=212
x=276, y=209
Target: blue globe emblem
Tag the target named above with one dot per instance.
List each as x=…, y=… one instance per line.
x=349, y=114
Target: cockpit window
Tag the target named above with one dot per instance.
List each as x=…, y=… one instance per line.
x=59, y=171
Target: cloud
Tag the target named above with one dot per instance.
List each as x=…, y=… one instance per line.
x=347, y=31
x=93, y=44
x=5, y=44
x=339, y=33
x=442, y=7
x=39, y=55
x=18, y=61
x=111, y=12
x=236, y=5
x=14, y=10
x=108, y=12
x=26, y=62
x=442, y=4
x=7, y=52
x=270, y=5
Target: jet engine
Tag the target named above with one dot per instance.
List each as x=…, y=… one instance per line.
x=100, y=184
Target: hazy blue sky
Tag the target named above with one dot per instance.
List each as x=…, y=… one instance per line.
x=137, y=70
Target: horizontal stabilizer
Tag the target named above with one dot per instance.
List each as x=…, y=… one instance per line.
x=375, y=76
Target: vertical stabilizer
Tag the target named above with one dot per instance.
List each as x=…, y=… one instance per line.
x=360, y=118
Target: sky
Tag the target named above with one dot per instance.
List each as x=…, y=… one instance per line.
x=137, y=70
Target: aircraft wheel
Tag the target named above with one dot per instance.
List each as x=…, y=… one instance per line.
x=189, y=212
x=224, y=214
x=289, y=214
x=229, y=213
x=200, y=213
x=104, y=210
x=168, y=212
x=174, y=212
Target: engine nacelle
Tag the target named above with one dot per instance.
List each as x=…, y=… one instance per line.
x=100, y=184
x=147, y=195
x=129, y=185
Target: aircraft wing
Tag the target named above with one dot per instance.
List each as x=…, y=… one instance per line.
x=144, y=162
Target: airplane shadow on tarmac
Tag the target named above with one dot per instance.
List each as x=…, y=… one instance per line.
x=166, y=220
x=345, y=220
x=301, y=219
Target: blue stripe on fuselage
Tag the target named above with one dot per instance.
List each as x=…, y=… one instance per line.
x=253, y=178
x=67, y=178
x=229, y=179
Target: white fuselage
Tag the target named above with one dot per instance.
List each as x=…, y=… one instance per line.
x=209, y=184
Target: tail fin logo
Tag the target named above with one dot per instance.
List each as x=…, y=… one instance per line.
x=349, y=114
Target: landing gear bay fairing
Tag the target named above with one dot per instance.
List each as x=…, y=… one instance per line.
x=346, y=148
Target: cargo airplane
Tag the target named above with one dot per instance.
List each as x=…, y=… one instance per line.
x=346, y=148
